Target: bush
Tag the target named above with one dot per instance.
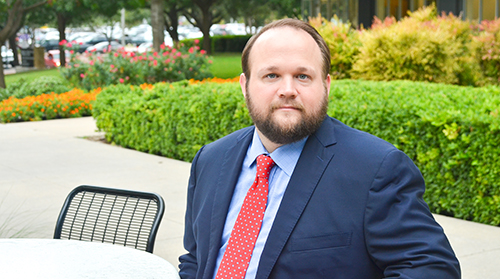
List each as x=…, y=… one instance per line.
x=343, y=42
x=172, y=120
x=226, y=43
x=488, y=50
x=450, y=132
x=422, y=47
x=169, y=64
x=41, y=85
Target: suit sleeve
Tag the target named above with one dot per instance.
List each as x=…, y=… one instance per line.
x=401, y=234
x=188, y=262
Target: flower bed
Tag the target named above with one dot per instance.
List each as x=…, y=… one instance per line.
x=74, y=103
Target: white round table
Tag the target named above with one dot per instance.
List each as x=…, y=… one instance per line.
x=54, y=258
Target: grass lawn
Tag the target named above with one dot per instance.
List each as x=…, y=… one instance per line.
x=225, y=65
x=30, y=75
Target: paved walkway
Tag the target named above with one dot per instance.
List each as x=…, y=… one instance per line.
x=41, y=162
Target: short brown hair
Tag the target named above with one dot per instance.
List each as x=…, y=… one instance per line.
x=294, y=23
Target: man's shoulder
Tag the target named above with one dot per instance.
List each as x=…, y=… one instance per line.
x=222, y=144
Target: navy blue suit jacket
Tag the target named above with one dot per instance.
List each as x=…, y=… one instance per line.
x=353, y=209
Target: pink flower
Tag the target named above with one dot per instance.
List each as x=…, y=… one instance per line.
x=155, y=63
x=82, y=75
x=127, y=78
x=167, y=61
x=116, y=54
x=112, y=66
x=203, y=51
x=155, y=54
x=71, y=51
x=179, y=54
x=91, y=62
x=196, y=41
x=191, y=50
x=162, y=46
x=69, y=45
x=63, y=42
x=121, y=80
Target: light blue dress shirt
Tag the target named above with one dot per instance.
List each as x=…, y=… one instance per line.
x=285, y=158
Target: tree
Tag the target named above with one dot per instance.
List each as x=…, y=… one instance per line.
x=203, y=15
x=174, y=8
x=13, y=12
x=157, y=23
x=253, y=12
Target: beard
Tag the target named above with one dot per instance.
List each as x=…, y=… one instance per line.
x=286, y=132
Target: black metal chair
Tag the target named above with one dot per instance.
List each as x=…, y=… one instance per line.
x=123, y=217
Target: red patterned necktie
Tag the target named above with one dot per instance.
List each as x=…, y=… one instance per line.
x=239, y=249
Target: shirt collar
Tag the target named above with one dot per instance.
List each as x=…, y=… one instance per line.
x=285, y=156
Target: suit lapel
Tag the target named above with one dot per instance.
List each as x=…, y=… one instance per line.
x=313, y=161
x=228, y=177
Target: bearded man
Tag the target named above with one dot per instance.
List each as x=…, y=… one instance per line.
x=299, y=194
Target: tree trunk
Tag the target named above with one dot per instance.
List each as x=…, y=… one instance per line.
x=173, y=24
x=15, y=16
x=15, y=51
x=205, y=29
x=61, y=27
x=157, y=23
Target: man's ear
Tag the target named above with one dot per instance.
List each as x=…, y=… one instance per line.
x=328, y=83
x=243, y=82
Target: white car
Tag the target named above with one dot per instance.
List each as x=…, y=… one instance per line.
x=104, y=47
x=7, y=56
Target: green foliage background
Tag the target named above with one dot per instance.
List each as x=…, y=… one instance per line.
x=452, y=133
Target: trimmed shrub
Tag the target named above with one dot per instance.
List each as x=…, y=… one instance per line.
x=422, y=47
x=343, y=42
x=450, y=132
x=226, y=43
x=488, y=50
x=172, y=120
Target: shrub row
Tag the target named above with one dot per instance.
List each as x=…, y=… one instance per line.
x=420, y=47
x=450, y=132
x=226, y=43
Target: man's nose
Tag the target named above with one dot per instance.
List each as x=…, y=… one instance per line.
x=287, y=88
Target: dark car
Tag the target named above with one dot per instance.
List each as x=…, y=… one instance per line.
x=50, y=44
x=90, y=40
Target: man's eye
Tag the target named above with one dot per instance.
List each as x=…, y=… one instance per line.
x=302, y=76
x=271, y=76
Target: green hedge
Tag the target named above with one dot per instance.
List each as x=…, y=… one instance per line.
x=226, y=43
x=452, y=133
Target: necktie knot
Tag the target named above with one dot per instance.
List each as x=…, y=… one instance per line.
x=264, y=166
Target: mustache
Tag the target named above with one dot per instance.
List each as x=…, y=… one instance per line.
x=286, y=103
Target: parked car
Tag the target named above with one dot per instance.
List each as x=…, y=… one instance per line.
x=90, y=40
x=145, y=47
x=104, y=47
x=49, y=44
x=7, y=56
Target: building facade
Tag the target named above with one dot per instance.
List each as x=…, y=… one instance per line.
x=361, y=12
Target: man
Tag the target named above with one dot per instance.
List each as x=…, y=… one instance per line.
x=341, y=203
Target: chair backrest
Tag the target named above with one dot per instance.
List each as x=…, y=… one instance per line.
x=123, y=217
